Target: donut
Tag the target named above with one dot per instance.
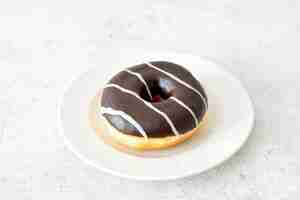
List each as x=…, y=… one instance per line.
x=153, y=105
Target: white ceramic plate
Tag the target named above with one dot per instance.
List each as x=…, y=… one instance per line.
x=229, y=123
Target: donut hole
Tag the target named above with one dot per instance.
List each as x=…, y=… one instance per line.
x=159, y=94
x=160, y=90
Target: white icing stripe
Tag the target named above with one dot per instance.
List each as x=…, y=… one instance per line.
x=125, y=116
x=187, y=108
x=178, y=80
x=139, y=76
x=147, y=103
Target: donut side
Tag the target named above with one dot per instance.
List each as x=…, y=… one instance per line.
x=139, y=143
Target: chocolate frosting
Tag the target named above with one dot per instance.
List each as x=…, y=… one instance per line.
x=161, y=82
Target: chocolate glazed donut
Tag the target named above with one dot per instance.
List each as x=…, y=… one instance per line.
x=154, y=100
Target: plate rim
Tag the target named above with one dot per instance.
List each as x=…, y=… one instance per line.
x=93, y=164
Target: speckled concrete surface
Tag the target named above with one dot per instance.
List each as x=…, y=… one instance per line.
x=45, y=44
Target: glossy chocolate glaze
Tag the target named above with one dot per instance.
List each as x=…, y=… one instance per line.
x=160, y=85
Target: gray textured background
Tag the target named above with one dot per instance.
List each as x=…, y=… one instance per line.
x=43, y=44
